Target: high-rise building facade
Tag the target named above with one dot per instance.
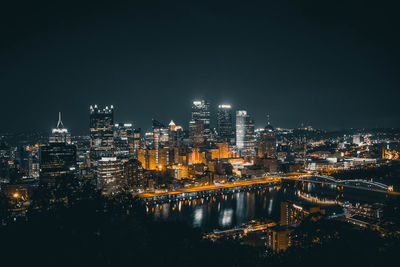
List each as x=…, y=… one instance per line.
x=60, y=134
x=109, y=175
x=136, y=141
x=201, y=114
x=175, y=135
x=56, y=159
x=245, y=133
x=196, y=133
x=133, y=175
x=266, y=147
x=225, y=124
x=123, y=140
x=160, y=135
x=101, y=132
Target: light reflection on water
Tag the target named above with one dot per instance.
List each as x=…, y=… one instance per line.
x=225, y=218
x=198, y=217
x=220, y=212
x=234, y=209
x=271, y=201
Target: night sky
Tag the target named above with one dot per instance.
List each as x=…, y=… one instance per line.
x=330, y=64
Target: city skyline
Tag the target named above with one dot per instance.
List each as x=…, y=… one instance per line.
x=266, y=120
x=199, y=133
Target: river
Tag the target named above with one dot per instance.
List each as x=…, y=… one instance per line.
x=235, y=208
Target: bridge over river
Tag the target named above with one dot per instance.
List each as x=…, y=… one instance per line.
x=209, y=190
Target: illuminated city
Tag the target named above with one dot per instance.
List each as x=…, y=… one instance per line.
x=200, y=135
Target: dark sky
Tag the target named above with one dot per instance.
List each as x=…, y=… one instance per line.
x=331, y=64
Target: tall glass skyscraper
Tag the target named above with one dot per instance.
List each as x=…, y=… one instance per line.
x=267, y=143
x=225, y=124
x=245, y=133
x=201, y=114
x=101, y=132
x=58, y=158
x=123, y=140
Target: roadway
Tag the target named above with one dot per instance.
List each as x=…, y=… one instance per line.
x=255, y=181
x=264, y=180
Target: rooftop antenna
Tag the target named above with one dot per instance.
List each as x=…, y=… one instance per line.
x=268, y=119
x=59, y=123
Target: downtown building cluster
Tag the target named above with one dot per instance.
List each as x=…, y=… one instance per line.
x=120, y=156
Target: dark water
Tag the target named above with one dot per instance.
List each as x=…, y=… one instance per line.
x=236, y=208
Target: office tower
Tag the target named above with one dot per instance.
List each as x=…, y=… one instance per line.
x=175, y=135
x=225, y=129
x=22, y=160
x=109, y=175
x=142, y=158
x=152, y=158
x=123, y=140
x=136, y=141
x=160, y=143
x=101, y=132
x=163, y=158
x=34, y=161
x=148, y=140
x=180, y=155
x=133, y=175
x=196, y=156
x=56, y=160
x=201, y=113
x=266, y=147
x=60, y=134
x=160, y=134
x=244, y=133
x=223, y=150
x=241, y=116
x=196, y=133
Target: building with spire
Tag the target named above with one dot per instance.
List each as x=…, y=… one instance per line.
x=60, y=134
x=58, y=158
x=266, y=147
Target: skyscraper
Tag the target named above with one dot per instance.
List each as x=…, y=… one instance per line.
x=60, y=134
x=101, y=132
x=58, y=158
x=123, y=140
x=160, y=134
x=196, y=133
x=175, y=135
x=109, y=175
x=266, y=147
x=225, y=124
x=201, y=114
x=245, y=133
x=136, y=141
